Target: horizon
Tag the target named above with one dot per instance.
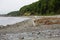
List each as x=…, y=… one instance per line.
x=7, y=6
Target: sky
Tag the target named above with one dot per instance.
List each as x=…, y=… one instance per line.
x=7, y=6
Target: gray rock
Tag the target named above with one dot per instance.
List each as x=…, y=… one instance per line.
x=1, y=26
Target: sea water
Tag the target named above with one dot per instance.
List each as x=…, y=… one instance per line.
x=11, y=20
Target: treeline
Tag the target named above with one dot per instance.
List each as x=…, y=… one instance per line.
x=41, y=7
x=14, y=13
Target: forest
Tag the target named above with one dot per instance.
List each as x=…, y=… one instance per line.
x=41, y=7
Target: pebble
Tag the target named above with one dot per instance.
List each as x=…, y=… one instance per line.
x=29, y=35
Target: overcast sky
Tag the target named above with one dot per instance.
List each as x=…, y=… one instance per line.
x=7, y=6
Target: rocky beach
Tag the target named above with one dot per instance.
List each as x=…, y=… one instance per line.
x=34, y=28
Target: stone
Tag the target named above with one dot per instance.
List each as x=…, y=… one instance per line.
x=1, y=26
x=38, y=33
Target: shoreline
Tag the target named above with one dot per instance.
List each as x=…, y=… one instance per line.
x=27, y=30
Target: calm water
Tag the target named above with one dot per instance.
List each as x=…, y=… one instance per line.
x=11, y=20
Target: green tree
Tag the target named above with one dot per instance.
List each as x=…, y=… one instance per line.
x=14, y=13
x=41, y=7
